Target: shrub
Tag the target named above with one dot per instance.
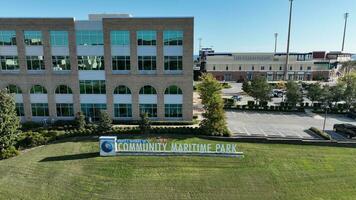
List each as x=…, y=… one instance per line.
x=105, y=121
x=80, y=120
x=31, y=139
x=263, y=103
x=250, y=103
x=8, y=152
x=30, y=126
x=320, y=133
x=145, y=124
x=228, y=103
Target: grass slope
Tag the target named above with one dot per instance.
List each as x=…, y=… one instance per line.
x=70, y=170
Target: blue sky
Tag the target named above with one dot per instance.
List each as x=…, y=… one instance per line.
x=226, y=25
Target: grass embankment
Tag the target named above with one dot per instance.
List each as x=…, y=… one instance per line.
x=72, y=170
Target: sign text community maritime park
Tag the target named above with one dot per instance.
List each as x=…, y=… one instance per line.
x=111, y=146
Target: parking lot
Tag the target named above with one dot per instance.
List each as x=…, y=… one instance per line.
x=281, y=125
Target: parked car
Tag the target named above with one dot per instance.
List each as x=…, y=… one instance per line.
x=277, y=93
x=348, y=129
x=237, y=97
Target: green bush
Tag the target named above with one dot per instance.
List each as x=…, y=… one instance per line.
x=225, y=85
x=32, y=139
x=8, y=152
x=250, y=103
x=30, y=126
x=320, y=133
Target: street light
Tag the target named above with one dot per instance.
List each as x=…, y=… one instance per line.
x=326, y=107
x=346, y=15
x=288, y=40
x=275, y=42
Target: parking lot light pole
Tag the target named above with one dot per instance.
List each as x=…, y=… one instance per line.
x=326, y=107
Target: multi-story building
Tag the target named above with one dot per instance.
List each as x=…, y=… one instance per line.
x=58, y=66
x=245, y=66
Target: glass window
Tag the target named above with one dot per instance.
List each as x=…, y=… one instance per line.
x=173, y=110
x=59, y=38
x=122, y=90
x=121, y=63
x=38, y=89
x=240, y=68
x=63, y=89
x=173, y=90
x=146, y=38
x=64, y=110
x=91, y=62
x=20, y=111
x=35, y=63
x=173, y=63
x=309, y=68
x=173, y=38
x=92, y=87
x=39, y=109
x=147, y=89
x=92, y=110
x=290, y=68
x=33, y=38
x=146, y=63
x=120, y=37
x=262, y=67
x=60, y=63
x=9, y=63
x=7, y=38
x=89, y=38
x=122, y=110
x=301, y=67
x=14, y=89
x=150, y=109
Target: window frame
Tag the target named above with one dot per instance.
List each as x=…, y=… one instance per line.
x=173, y=37
x=146, y=37
x=64, y=110
x=120, y=38
x=89, y=38
x=5, y=67
x=8, y=34
x=92, y=85
x=82, y=60
x=31, y=35
x=143, y=62
x=32, y=61
x=176, y=107
x=36, y=106
x=171, y=61
x=115, y=60
x=126, y=107
x=59, y=38
x=58, y=59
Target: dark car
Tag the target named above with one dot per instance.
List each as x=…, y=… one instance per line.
x=347, y=129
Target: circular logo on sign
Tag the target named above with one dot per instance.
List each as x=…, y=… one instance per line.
x=106, y=147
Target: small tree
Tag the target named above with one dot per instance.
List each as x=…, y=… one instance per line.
x=281, y=85
x=246, y=87
x=260, y=89
x=315, y=92
x=350, y=91
x=105, y=121
x=145, y=124
x=293, y=93
x=80, y=120
x=9, y=122
x=214, y=122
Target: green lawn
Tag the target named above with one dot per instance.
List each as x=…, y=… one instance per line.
x=72, y=170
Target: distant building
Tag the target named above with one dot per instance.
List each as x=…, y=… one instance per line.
x=238, y=67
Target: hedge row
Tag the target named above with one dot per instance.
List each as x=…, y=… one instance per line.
x=267, y=108
x=320, y=133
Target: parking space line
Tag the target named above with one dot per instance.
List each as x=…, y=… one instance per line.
x=246, y=130
x=264, y=133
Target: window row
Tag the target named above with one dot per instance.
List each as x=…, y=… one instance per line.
x=90, y=37
x=94, y=87
x=92, y=111
x=62, y=63
x=270, y=68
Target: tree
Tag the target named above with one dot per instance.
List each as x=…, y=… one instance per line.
x=105, y=121
x=145, y=124
x=293, y=93
x=281, y=85
x=337, y=92
x=350, y=91
x=246, y=87
x=260, y=89
x=80, y=120
x=315, y=92
x=9, y=122
x=214, y=122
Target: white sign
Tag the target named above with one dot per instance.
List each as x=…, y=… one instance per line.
x=146, y=146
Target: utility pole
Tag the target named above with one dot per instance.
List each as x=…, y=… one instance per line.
x=288, y=40
x=346, y=15
x=275, y=42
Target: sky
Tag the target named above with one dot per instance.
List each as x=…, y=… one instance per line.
x=225, y=25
